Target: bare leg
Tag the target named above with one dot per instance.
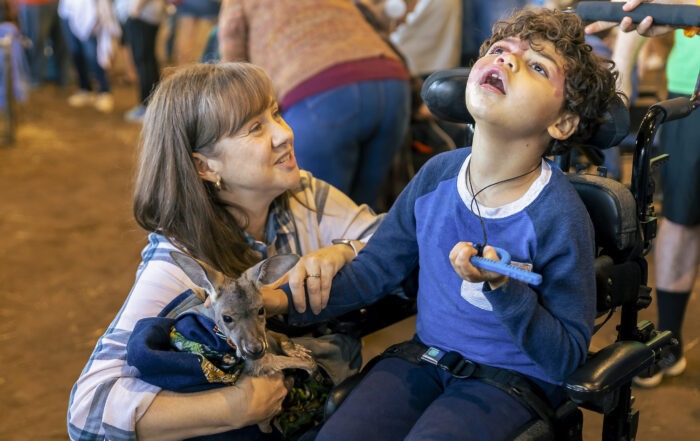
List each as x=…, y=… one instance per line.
x=676, y=256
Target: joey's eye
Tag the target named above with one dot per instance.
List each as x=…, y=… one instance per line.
x=261, y=311
x=227, y=318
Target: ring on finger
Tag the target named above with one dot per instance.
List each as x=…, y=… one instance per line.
x=317, y=276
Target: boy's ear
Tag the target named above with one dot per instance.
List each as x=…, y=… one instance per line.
x=203, y=166
x=564, y=126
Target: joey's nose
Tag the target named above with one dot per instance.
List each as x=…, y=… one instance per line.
x=254, y=349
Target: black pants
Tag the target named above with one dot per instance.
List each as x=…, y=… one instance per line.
x=141, y=38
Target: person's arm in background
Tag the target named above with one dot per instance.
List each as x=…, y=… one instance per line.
x=625, y=54
x=233, y=32
x=646, y=27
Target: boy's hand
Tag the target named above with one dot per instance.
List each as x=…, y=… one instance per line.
x=459, y=258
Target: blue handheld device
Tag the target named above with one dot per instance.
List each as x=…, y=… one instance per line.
x=504, y=267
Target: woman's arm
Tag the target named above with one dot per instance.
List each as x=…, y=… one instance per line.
x=322, y=213
x=109, y=400
x=176, y=416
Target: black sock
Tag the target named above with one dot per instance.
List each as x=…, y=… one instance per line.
x=671, y=307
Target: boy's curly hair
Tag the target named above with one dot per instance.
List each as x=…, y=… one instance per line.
x=589, y=80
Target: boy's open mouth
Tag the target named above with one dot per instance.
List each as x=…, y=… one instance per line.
x=493, y=79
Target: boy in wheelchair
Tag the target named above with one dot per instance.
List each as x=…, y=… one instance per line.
x=490, y=352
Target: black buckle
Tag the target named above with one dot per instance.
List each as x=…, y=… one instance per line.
x=457, y=365
x=452, y=362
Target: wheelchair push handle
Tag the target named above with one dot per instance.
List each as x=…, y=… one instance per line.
x=663, y=14
x=675, y=108
x=504, y=267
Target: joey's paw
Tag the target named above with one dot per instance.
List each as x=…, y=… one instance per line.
x=309, y=366
x=291, y=349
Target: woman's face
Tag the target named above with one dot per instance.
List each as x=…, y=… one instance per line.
x=257, y=161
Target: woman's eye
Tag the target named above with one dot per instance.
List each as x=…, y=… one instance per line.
x=227, y=318
x=496, y=50
x=255, y=127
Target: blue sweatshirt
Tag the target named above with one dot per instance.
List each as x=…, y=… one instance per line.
x=542, y=331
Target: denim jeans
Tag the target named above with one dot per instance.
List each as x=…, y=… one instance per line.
x=349, y=136
x=84, y=55
x=400, y=400
x=40, y=24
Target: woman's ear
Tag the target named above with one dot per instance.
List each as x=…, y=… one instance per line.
x=564, y=126
x=203, y=165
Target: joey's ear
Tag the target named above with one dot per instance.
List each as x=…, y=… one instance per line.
x=272, y=268
x=204, y=168
x=564, y=126
x=201, y=274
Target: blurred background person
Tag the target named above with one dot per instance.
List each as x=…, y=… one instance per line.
x=39, y=23
x=194, y=21
x=342, y=88
x=141, y=21
x=89, y=27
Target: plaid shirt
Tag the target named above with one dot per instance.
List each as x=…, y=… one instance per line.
x=109, y=398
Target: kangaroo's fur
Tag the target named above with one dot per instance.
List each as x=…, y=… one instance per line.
x=237, y=309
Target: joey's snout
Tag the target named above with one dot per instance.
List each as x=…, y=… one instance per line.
x=253, y=349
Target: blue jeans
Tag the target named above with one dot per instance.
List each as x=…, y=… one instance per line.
x=400, y=400
x=348, y=136
x=40, y=24
x=84, y=55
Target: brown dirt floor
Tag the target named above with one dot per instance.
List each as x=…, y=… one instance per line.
x=69, y=250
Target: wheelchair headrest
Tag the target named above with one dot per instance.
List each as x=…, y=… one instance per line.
x=443, y=93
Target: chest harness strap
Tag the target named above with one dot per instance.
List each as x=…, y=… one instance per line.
x=513, y=383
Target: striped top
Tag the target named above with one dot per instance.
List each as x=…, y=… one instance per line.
x=109, y=398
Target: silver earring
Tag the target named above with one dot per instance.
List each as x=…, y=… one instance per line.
x=217, y=184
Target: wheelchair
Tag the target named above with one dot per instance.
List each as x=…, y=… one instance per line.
x=625, y=225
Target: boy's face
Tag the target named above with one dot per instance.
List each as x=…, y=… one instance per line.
x=516, y=87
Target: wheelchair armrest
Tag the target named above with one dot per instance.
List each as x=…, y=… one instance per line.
x=594, y=385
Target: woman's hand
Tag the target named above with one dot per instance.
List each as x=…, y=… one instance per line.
x=645, y=27
x=260, y=400
x=313, y=274
x=459, y=258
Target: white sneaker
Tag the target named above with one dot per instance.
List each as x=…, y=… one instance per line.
x=81, y=98
x=672, y=369
x=104, y=102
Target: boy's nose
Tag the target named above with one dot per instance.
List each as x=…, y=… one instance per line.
x=508, y=60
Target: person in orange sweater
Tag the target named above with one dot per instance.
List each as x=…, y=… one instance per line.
x=341, y=87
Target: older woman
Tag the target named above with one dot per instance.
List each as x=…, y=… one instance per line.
x=217, y=178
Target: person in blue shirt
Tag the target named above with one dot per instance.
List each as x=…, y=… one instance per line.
x=536, y=89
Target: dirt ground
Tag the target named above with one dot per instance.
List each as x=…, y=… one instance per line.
x=69, y=250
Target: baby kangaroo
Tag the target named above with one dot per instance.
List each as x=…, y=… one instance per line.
x=237, y=309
